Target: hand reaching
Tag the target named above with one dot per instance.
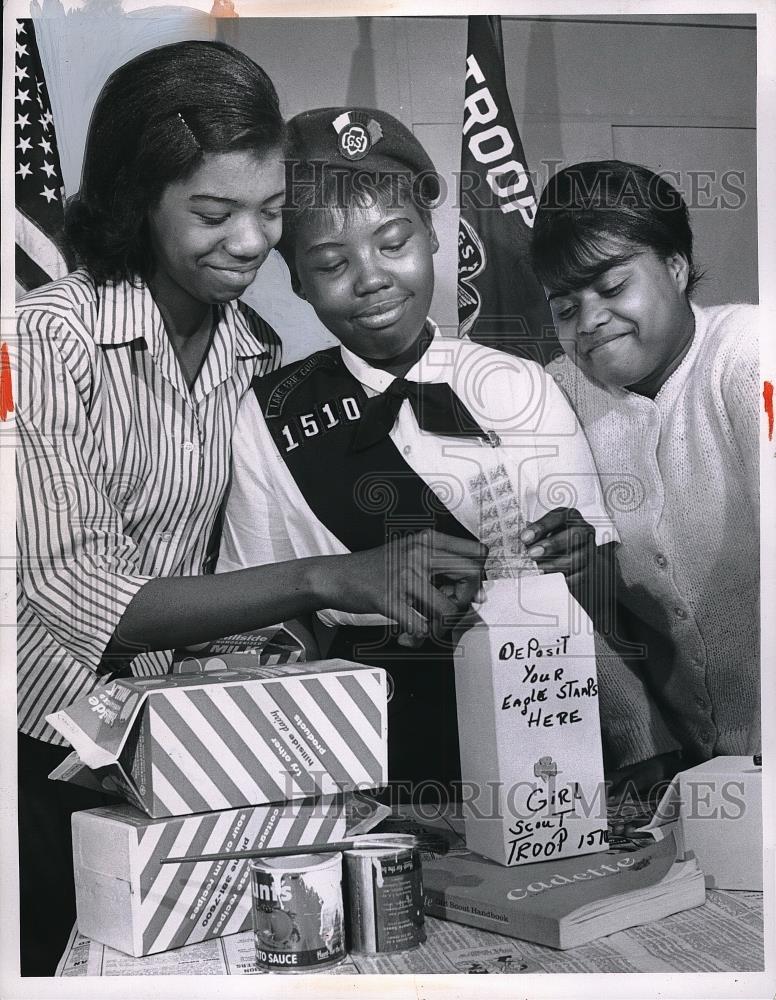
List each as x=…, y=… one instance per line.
x=422, y=581
x=563, y=542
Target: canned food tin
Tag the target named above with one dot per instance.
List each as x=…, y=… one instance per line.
x=385, y=895
x=298, y=919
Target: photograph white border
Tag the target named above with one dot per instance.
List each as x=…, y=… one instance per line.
x=759, y=985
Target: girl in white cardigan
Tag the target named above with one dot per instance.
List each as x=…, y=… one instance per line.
x=668, y=395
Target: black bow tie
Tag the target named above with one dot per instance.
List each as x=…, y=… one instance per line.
x=437, y=409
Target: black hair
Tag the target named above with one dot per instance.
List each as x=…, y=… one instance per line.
x=592, y=214
x=316, y=191
x=154, y=121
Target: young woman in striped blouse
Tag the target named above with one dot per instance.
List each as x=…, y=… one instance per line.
x=129, y=374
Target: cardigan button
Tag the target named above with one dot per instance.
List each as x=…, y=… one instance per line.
x=680, y=613
x=661, y=560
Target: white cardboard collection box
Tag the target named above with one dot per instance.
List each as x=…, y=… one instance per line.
x=719, y=808
x=126, y=899
x=183, y=744
x=531, y=755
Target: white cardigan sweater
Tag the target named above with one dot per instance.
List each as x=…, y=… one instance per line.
x=680, y=475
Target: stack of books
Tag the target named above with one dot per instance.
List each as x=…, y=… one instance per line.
x=563, y=903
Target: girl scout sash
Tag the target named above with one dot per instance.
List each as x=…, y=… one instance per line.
x=365, y=498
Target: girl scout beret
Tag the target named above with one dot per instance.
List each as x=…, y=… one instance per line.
x=358, y=139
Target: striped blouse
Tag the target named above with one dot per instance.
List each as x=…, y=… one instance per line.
x=121, y=471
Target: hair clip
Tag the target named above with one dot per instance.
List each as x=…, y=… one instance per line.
x=191, y=135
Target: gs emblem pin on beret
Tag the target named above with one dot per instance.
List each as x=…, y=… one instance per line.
x=357, y=134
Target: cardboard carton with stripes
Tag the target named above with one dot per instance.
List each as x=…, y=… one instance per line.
x=182, y=744
x=126, y=899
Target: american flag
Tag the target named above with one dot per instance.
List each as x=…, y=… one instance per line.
x=39, y=190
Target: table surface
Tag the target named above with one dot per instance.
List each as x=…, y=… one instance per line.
x=723, y=935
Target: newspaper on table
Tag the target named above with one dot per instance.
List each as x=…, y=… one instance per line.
x=724, y=935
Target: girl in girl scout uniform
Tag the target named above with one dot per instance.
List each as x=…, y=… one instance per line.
x=397, y=428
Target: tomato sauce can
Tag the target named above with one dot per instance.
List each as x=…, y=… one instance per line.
x=384, y=884
x=298, y=919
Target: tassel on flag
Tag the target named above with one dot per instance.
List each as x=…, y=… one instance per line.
x=39, y=190
x=500, y=302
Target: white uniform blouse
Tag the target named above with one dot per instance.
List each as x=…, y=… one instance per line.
x=540, y=461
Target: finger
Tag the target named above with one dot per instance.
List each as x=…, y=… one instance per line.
x=456, y=585
x=424, y=596
x=462, y=594
x=462, y=559
x=459, y=588
x=449, y=545
x=559, y=519
x=562, y=542
x=465, y=593
x=575, y=576
x=578, y=560
x=548, y=524
x=409, y=621
x=454, y=567
x=584, y=579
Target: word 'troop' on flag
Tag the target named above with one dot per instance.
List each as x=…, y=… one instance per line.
x=500, y=302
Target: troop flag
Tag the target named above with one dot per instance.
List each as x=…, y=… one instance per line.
x=39, y=190
x=500, y=302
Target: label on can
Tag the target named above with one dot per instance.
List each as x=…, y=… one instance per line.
x=385, y=893
x=297, y=912
x=399, y=910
